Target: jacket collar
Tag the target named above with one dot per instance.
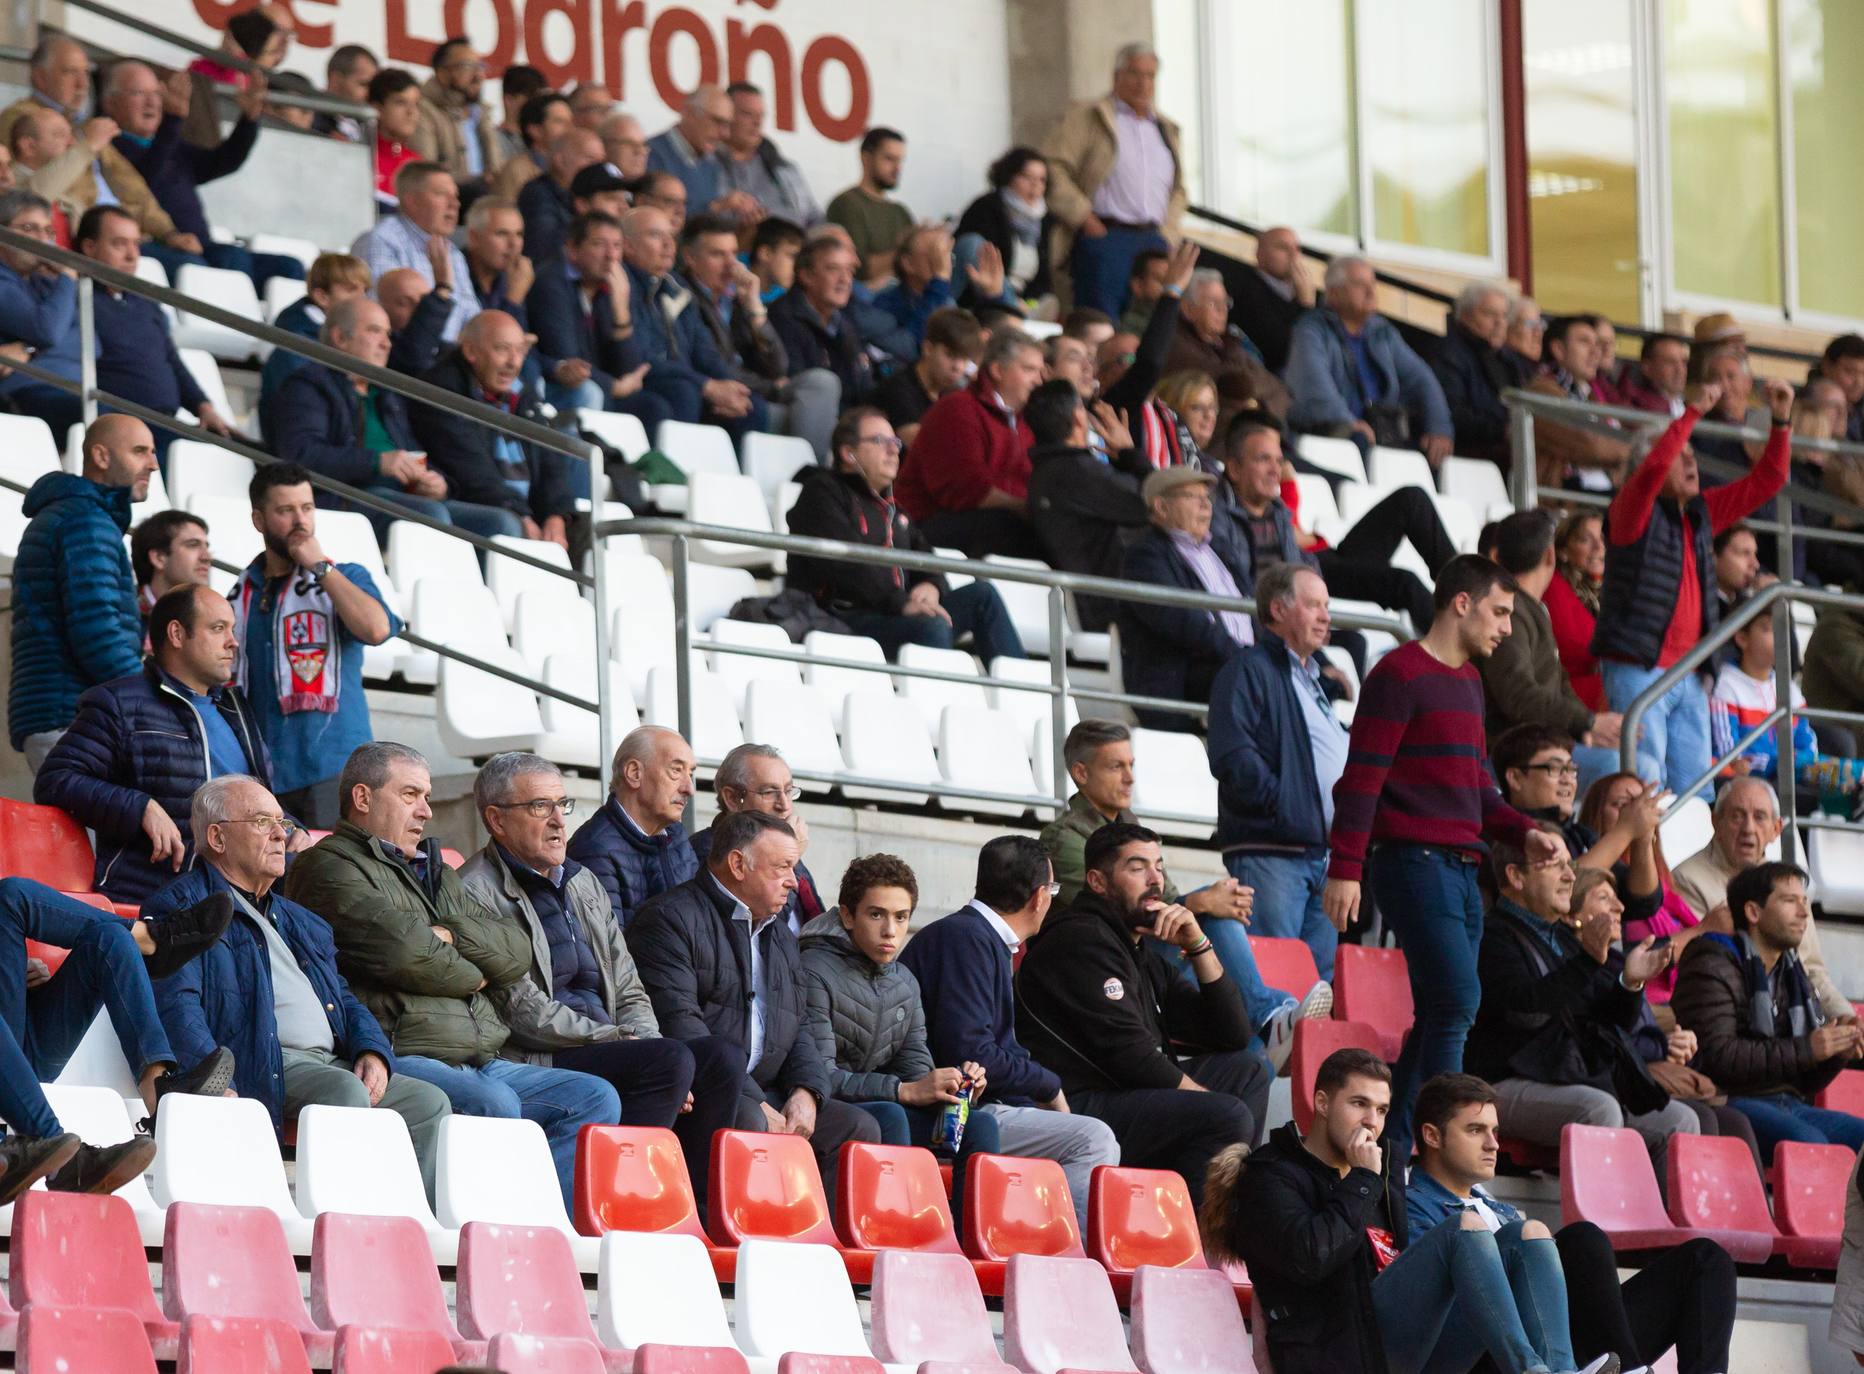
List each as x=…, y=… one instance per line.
x=634, y=835
x=1091, y=904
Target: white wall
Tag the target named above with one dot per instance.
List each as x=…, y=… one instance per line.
x=935, y=69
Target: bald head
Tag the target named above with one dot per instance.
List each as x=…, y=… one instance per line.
x=647, y=240
x=401, y=293
x=571, y=152
x=494, y=347
x=1278, y=252
x=706, y=119
x=119, y=451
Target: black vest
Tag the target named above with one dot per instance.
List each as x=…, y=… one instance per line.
x=1642, y=579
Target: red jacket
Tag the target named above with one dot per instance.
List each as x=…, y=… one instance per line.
x=965, y=446
x=1573, y=625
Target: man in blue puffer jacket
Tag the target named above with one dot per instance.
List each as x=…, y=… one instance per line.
x=635, y=844
x=75, y=622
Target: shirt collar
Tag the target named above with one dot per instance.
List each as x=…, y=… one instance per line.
x=1120, y=107
x=998, y=924
x=739, y=911
x=1184, y=541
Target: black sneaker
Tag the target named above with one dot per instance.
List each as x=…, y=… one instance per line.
x=24, y=1160
x=209, y=1078
x=183, y=934
x=104, y=1168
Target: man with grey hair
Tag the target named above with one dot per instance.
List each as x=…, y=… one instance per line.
x=430, y=960
x=624, y=143
x=1115, y=180
x=635, y=844
x=269, y=991
x=581, y=1006
x=420, y=235
x=686, y=150
x=754, y=777
x=1473, y=373
x=1521, y=346
x=39, y=312
x=1207, y=342
x=1354, y=377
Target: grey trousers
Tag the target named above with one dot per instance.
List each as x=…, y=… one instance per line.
x=1536, y=1111
x=318, y=1078
x=1078, y=1143
x=810, y=412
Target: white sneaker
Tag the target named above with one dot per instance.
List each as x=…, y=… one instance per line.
x=1278, y=1034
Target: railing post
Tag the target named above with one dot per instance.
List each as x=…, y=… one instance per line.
x=598, y=550
x=1058, y=704
x=1783, y=772
x=1524, y=478
x=683, y=645
x=87, y=352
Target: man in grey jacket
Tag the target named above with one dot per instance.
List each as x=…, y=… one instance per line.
x=582, y=1005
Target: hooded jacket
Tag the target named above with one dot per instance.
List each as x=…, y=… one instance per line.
x=868, y=1019
x=630, y=866
x=840, y=505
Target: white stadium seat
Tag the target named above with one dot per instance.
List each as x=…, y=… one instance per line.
x=1338, y=456
x=623, y=433
x=659, y=1289
x=1026, y=707
x=500, y=1170
x=1027, y=603
x=480, y=713
x=549, y=623
x=1685, y=830
x=281, y=293
x=739, y=671
x=642, y=622
x=771, y=460
x=1461, y=521
x=27, y=453
x=712, y=592
x=197, y=469
x=984, y=749
x=100, y=1116
x=697, y=448
x=461, y=616
x=737, y=502
x=1477, y=481
x=1172, y=782
x=305, y=251
x=358, y=1160
x=884, y=737
x=715, y=731
x=1400, y=467
x=509, y=579
x=930, y=696
x=205, y=370
x=573, y=736
x=792, y=1297
x=797, y=719
x=232, y=292
x=229, y=533
x=835, y=683
x=348, y=537
x=224, y=1151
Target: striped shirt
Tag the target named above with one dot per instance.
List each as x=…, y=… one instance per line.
x=1416, y=766
x=399, y=242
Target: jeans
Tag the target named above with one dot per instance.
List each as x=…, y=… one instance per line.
x=1674, y=745
x=1458, y=1292
x=42, y=1027
x=1102, y=265
x=903, y=1125
x=1079, y=1143
x=1231, y=946
x=1430, y=900
x=1287, y=904
x=1538, y=1112
x=559, y=1100
x=261, y=267
x=318, y=1077
x=1785, y=1117
x=1683, y=1296
x=485, y=521
x=975, y=609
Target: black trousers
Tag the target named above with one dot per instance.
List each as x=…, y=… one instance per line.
x=836, y=1124
x=977, y=533
x=1360, y=567
x=1683, y=1296
x=1171, y=1128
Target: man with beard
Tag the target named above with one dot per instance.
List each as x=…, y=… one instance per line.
x=873, y=220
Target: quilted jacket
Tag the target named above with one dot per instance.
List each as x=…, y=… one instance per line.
x=631, y=866
x=868, y=1019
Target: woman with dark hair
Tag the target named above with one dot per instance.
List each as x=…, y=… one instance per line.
x=396, y=96
x=1013, y=216
x=1572, y=601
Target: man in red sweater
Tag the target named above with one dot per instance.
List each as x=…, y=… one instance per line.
x=966, y=477
x=1659, y=596
x=1417, y=794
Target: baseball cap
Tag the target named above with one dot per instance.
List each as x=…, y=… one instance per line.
x=596, y=178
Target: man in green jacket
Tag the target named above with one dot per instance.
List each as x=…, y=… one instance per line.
x=424, y=955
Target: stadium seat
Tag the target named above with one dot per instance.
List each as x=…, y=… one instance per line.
x=232, y=292
x=234, y=1262
x=360, y=1161
x=1686, y=828
x=1478, y=482
x=479, y=713
x=305, y=251
x=893, y=1198
x=688, y=1359
x=461, y=615
x=1372, y=985
x=508, y=579
x=416, y=552
x=633, y=1178
x=224, y=1151
x=150, y=270
x=782, y=504
x=205, y=370
x=551, y=1355
x=624, y=433
x=1027, y=706
x=930, y=696
x=1319, y=512
x=1027, y=603
x=391, y=1350
x=46, y=845
x=81, y=1250
x=792, y=1296
x=98, y=1061
x=766, y=1187
x=197, y=468
x=1845, y=1093
x=774, y=459
x=1059, y=1313
x=697, y=448
x=797, y=720
x=733, y=500
x=1391, y=468
x=1313, y=1042
x=348, y=537
x=552, y=622
x=1606, y=1178
x=1461, y=521
x=835, y=683
x=235, y=541
x=1183, y=1323
x=243, y=1345
x=1172, y=782
x=884, y=737
x=1340, y=457
x=1712, y=1186
x=84, y=1340
x=954, y=580
x=1286, y=964
x=798, y=1362
x=928, y=1306
x=573, y=736
x=1810, y=1185
x=642, y=637
x=711, y=592
x=715, y=729
x=524, y=1279
x=34, y=456
x=378, y=1271
x=982, y=748
x=281, y=293
x=1140, y=1217
x=1015, y=1206
x=100, y=1116
x=659, y=1290
x=739, y=671
x=499, y=1170
x=1835, y=858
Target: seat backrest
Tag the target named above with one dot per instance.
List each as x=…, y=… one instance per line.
x=229, y=1262
x=618, y=431
x=496, y=1169
x=1059, y=1313
x=1314, y=1040
x=98, y=1060
x=240, y=1345
x=882, y=736
x=689, y=1359
x=932, y=695
x=390, y=1350
x=838, y=682
x=219, y=1150
x=80, y=1338
x=1171, y=775
x=767, y=1186
x=799, y=720
x=633, y=1178
x=1141, y=1217
x=773, y=459
x=796, y=1362
x=1400, y=467
x=99, y=1116
x=712, y=592
x=984, y=749
x=730, y=499
x=795, y=1297
x=519, y=1278
x=1606, y=1178
x=79, y=1250
x=1015, y=1206
x=45, y=844
x=1186, y=1321
x=1845, y=1093
x=928, y=1306
x=355, y=1159
x=544, y=1354
x=1285, y=963
x=658, y=1289
x=199, y=469
x=1372, y=985
x=507, y=578
x=892, y=1198
x=1810, y=1183
x=696, y=448
x=375, y=1271
x=415, y=552
x=716, y=731
x=1712, y=1184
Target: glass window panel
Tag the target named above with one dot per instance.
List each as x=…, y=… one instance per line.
x=1718, y=82
x=1181, y=84
x=1825, y=66
x=1427, y=122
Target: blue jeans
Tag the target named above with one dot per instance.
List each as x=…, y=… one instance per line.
x=261, y=267
x=559, y=1100
x=975, y=609
x=44, y=1026
x=1785, y=1117
x=1231, y=946
x=1101, y=266
x=1457, y=1293
x=1430, y=899
x=1674, y=745
x=1594, y=762
x=486, y=521
x=1287, y=905
x=903, y=1125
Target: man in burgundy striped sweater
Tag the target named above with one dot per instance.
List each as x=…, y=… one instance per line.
x=1417, y=794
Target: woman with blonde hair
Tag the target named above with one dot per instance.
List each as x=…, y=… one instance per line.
x=1178, y=426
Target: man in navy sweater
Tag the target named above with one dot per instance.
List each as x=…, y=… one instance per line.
x=963, y=964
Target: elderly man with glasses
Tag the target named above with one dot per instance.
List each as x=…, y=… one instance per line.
x=754, y=777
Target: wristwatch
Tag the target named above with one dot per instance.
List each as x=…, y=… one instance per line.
x=319, y=568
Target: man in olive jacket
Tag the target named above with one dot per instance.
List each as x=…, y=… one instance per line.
x=424, y=956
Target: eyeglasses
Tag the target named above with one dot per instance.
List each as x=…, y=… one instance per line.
x=1554, y=769
x=772, y=795
x=541, y=807
x=887, y=442
x=283, y=825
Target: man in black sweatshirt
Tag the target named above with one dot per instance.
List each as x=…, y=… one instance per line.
x=1101, y=1002
x=1085, y=510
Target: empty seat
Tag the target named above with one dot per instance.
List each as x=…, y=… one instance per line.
x=1286, y=964
x=234, y=1262
x=459, y=615
x=1462, y=522
x=522, y=1279
x=1314, y=1040
x=633, y=1178
x=798, y=1362
x=981, y=748
x=836, y=682
x=493, y=1169
x=928, y=1306
x=739, y=671
x=232, y=292
x=83, y=1340
x=235, y=541
x=658, y=1290
x=1478, y=482
x=99, y=1115
x=688, y=1359
x=1338, y=456
x=508, y=579
x=480, y=713
x=378, y=1271
x=554, y=622
x=573, y=736
x=892, y=1197
x=1373, y=985
x=1059, y=1313
x=1845, y=1093
x=883, y=737
x=1027, y=708
x=1184, y=1323
x=1391, y=468
x=624, y=433
x=550, y=1355
x=1810, y=1184
x=735, y=501
x=1027, y=604
x=793, y=1296
x=930, y=696
x=361, y=1161
x=711, y=592
x=1016, y=1206
x=771, y=460
x=715, y=729
x=1314, y=494
x=45, y=844
x=223, y=1150
x=391, y=1350
x=242, y=1345
x=1141, y=1217
x=642, y=637
x=81, y=1250
x=697, y=448
x=1835, y=858
x=416, y=552
x=37, y=456
x=205, y=370
x=1687, y=827
x=281, y=293
x=197, y=468
x=797, y=720
x=1712, y=1186
x=1172, y=781
x=348, y=537
x=305, y=251
x=1606, y=1178
x=767, y=1187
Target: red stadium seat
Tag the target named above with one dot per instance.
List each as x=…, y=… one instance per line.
x=523, y=1280
x=83, y=1339
x=1059, y=1314
x=379, y=1272
x=1285, y=964
x=798, y=1363
x=928, y=1306
x=83, y=1250
x=767, y=1187
x=1810, y=1183
x=45, y=844
x=1371, y=985
x=633, y=1178
x=1844, y=1093
x=1606, y=1178
x=949, y=1367
x=1015, y=1206
x=452, y=857
x=1140, y=1216
x=235, y=1262
x=240, y=1345
x=548, y=1355
x=391, y=1350
x=1183, y=1325
x=892, y=1198
x=1313, y=1042
x=689, y=1359
x=1712, y=1186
